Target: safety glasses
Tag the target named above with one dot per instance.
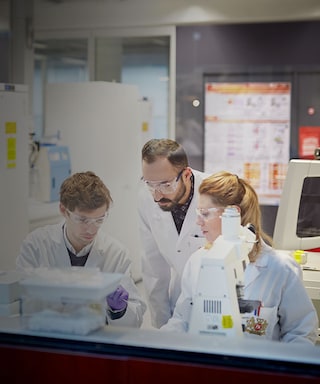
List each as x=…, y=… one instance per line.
x=208, y=213
x=83, y=220
x=164, y=187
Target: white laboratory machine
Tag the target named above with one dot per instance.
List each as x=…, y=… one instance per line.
x=14, y=171
x=221, y=280
x=297, y=226
x=52, y=167
x=10, y=293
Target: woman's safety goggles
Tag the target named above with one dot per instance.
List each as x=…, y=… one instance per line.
x=208, y=213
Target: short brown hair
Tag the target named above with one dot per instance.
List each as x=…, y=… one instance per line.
x=85, y=191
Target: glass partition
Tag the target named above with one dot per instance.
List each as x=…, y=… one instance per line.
x=56, y=60
x=142, y=61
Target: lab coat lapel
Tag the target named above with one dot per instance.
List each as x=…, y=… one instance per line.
x=253, y=269
x=189, y=226
x=95, y=257
x=60, y=253
x=165, y=227
x=251, y=273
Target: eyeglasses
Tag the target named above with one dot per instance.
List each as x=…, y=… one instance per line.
x=208, y=213
x=82, y=220
x=164, y=187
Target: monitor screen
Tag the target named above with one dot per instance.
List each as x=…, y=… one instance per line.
x=297, y=223
x=308, y=224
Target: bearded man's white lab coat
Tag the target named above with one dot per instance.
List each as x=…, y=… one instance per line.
x=165, y=252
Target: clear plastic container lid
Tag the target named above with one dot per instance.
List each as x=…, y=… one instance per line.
x=75, y=283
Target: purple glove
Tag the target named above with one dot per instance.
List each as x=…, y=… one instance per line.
x=117, y=300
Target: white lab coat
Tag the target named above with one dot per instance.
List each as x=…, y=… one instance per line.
x=276, y=280
x=165, y=252
x=45, y=247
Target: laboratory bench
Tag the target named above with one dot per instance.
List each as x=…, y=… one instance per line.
x=128, y=355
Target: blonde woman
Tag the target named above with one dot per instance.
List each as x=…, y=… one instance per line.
x=272, y=278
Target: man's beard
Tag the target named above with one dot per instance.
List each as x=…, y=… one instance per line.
x=172, y=203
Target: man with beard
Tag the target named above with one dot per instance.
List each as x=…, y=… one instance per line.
x=167, y=212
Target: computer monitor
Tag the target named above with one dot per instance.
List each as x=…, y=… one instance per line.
x=297, y=223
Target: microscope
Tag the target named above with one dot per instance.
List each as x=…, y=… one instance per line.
x=219, y=302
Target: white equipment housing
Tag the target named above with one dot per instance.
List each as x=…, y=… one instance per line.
x=14, y=171
x=221, y=279
x=53, y=167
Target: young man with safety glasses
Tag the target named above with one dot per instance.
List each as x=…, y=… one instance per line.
x=169, y=234
x=77, y=241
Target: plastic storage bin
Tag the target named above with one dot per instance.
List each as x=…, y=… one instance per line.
x=71, y=300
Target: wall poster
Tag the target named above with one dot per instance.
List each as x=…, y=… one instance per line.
x=247, y=132
x=309, y=140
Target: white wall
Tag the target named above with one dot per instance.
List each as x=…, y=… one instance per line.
x=101, y=124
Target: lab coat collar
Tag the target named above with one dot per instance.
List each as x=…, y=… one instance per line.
x=84, y=251
x=96, y=256
x=253, y=270
x=189, y=223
